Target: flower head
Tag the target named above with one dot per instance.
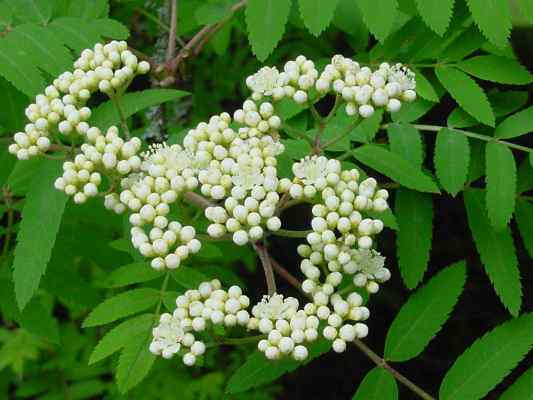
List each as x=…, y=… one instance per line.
x=402, y=75
x=264, y=81
x=310, y=169
x=370, y=262
x=275, y=307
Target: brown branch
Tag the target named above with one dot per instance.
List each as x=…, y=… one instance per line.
x=381, y=363
x=265, y=259
x=198, y=200
x=171, y=48
x=286, y=275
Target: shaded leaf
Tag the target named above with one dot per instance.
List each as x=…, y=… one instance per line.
x=377, y=384
x=379, y=16
x=521, y=388
x=493, y=18
x=496, y=69
x=132, y=273
x=452, y=157
x=524, y=219
x=516, y=125
x=496, y=250
x=317, y=14
x=436, y=13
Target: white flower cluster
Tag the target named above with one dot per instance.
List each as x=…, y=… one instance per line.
x=196, y=311
x=62, y=105
x=364, y=89
x=294, y=82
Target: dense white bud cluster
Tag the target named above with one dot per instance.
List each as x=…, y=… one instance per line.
x=365, y=90
x=196, y=311
x=106, y=68
x=232, y=161
x=294, y=82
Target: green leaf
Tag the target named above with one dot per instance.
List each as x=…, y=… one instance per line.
x=395, y=167
x=524, y=217
x=463, y=45
x=131, y=273
x=414, y=212
x=467, y=93
x=459, y=118
x=516, y=125
x=493, y=18
x=41, y=218
x=488, y=360
x=379, y=16
x=135, y=361
x=436, y=13
x=265, y=21
x=424, y=88
x=424, y=314
x=187, y=277
x=116, y=338
x=258, y=370
x=35, y=11
x=496, y=250
x=496, y=69
x=501, y=184
x=505, y=103
x=410, y=112
x=521, y=388
x=368, y=128
x=452, y=157
x=37, y=320
x=106, y=114
x=405, y=140
x=88, y=10
x=14, y=67
x=317, y=14
x=377, y=384
x=12, y=116
x=211, y=13
x=348, y=18
x=526, y=6
x=122, y=305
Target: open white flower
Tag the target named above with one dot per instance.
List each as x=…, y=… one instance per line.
x=310, y=169
x=402, y=75
x=370, y=262
x=172, y=157
x=275, y=307
x=247, y=175
x=167, y=337
x=264, y=81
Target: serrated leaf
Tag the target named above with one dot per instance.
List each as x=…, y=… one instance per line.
x=493, y=18
x=452, y=158
x=436, y=13
x=37, y=320
x=377, y=384
x=135, y=362
x=88, y=10
x=496, y=69
x=410, y=112
x=41, y=218
x=424, y=314
x=521, y=388
x=414, y=213
x=379, y=16
x=106, y=114
x=467, y=93
x=524, y=219
x=258, y=370
x=116, y=338
x=395, y=167
x=405, y=140
x=131, y=273
x=459, y=118
x=13, y=67
x=526, y=6
x=34, y=11
x=368, y=128
x=501, y=184
x=496, y=250
x=488, y=360
x=463, y=45
x=424, y=88
x=504, y=103
x=516, y=125
x=265, y=21
x=348, y=18
x=317, y=14
x=121, y=305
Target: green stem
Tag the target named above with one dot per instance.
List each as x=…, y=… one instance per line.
x=298, y=133
x=161, y=294
x=291, y=234
x=334, y=108
x=236, y=341
x=338, y=138
x=381, y=363
x=116, y=99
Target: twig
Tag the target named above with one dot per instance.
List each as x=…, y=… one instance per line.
x=338, y=138
x=292, y=234
x=116, y=98
x=267, y=267
x=171, y=48
x=381, y=363
x=198, y=200
x=159, y=23
x=286, y=275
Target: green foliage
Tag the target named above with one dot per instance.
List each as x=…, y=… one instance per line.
x=488, y=360
x=379, y=16
x=497, y=252
x=516, y=125
x=122, y=305
x=414, y=212
x=422, y=317
x=524, y=216
x=436, y=13
x=395, y=167
x=377, y=384
x=106, y=114
x=493, y=18
x=405, y=140
x=132, y=273
x=521, y=389
x=467, y=93
x=501, y=184
x=265, y=21
x=41, y=218
x=317, y=14
x=452, y=157
x=496, y=69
